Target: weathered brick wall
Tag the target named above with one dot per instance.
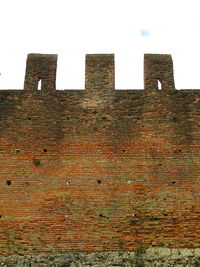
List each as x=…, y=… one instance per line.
x=97, y=170
x=40, y=67
x=158, y=68
x=99, y=72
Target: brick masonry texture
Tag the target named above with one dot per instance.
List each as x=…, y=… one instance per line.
x=100, y=72
x=40, y=67
x=158, y=68
x=98, y=169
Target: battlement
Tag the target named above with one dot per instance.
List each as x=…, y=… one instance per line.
x=158, y=68
x=99, y=72
x=40, y=67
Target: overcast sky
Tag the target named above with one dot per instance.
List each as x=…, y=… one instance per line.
x=127, y=28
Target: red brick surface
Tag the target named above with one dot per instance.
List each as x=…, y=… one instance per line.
x=95, y=171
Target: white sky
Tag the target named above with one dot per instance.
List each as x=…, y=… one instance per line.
x=127, y=28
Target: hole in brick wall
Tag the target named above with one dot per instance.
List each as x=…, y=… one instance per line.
x=159, y=85
x=17, y=150
x=104, y=118
x=178, y=150
x=138, y=118
x=8, y=182
x=154, y=219
x=29, y=118
x=100, y=215
x=0, y=216
x=45, y=150
x=36, y=162
x=68, y=182
x=68, y=118
x=39, y=84
x=123, y=150
x=98, y=181
x=173, y=182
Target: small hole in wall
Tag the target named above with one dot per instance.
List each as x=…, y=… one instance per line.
x=173, y=182
x=100, y=215
x=154, y=219
x=0, y=216
x=68, y=118
x=68, y=182
x=8, y=182
x=45, y=150
x=99, y=182
x=29, y=118
x=104, y=118
x=138, y=118
x=178, y=150
x=17, y=150
x=36, y=162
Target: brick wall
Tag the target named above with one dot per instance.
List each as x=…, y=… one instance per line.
x=98, y=170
